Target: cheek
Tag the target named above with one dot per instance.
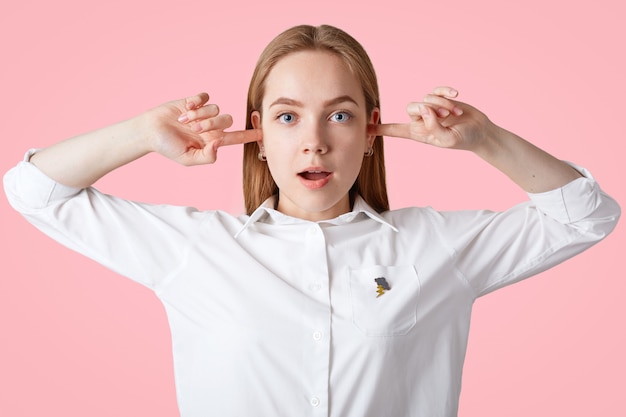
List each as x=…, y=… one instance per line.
x=276, y=145
x=352, y=154
x=279, y=150
x=270, y=137
x=357, y=142
x=273, y=134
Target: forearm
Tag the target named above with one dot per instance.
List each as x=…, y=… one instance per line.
x=82, y=160
x=530, y=167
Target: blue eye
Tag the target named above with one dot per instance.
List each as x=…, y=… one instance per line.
x=286, y=118
x=341, y=117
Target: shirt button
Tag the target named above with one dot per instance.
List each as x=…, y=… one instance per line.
x=315, y=401
x=317, y=336
x=316, y=286
x=312, y=231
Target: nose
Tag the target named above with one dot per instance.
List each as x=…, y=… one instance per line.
x=314, y=139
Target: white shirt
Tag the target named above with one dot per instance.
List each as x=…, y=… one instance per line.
x=272, y=315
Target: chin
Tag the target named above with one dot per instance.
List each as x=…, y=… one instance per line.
x=316, y=206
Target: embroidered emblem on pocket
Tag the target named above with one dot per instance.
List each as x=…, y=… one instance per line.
x=381, y=286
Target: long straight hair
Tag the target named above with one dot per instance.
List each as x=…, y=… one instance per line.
x=258, y=184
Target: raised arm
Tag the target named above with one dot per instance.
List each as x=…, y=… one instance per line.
x=116, y=232
x=441, y=121
x=188, y=131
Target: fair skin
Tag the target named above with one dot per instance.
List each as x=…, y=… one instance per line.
x=314, y=131
x=443, y=122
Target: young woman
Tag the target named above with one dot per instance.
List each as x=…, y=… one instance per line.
x=329, y=303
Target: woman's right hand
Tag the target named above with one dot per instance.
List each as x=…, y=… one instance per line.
x=82, y=160
x=190, y=131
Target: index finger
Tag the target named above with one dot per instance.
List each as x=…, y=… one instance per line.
x=241, y=136
x=398, y=130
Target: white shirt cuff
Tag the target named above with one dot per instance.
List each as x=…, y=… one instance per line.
x=36, y=188
x=572, y=202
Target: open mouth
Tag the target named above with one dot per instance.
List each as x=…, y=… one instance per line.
x=315, y=179
x=314, y=175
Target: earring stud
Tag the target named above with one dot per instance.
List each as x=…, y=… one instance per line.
x=260, y=155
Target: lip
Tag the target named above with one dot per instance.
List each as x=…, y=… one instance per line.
x=315, y=184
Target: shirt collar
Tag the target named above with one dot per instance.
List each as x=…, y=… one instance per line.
x=267, y=210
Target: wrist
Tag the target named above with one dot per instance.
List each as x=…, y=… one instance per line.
x=490, y=142
x=144, y=133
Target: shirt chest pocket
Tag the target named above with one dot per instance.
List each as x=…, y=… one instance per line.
x=380, y=312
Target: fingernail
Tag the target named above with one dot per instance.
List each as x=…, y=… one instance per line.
x=183, y=118
x=457, y=111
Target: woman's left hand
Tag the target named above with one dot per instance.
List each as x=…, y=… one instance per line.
x=440, y=121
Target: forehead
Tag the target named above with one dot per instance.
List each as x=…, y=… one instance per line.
x=312, y=77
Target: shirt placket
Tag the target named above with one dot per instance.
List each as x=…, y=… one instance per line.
x=317, y=321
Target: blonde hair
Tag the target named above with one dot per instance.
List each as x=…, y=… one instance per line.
x=258, y=184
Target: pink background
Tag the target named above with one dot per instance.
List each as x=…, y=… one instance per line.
x=79, y=340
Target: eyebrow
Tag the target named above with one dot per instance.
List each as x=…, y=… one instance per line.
x=296, y=103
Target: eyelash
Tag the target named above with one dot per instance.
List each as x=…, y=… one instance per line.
x=280, y=115
x=348, y=115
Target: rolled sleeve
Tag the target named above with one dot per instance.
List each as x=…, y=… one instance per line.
x=495, y=249
x=572, y=202
x=28, y=188
x=112, y=231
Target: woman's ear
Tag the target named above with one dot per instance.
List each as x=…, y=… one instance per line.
x=374, y=119
x=255, y=119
